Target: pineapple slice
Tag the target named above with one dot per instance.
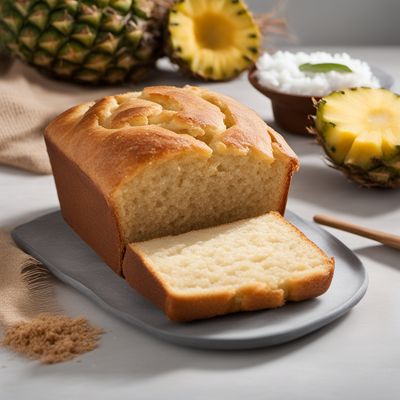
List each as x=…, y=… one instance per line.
x=366, y=148
x=213, y=39
x=360, y=132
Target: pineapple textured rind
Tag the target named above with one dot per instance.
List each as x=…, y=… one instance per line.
x=88, y=41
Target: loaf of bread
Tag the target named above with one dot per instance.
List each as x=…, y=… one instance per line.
x=251, y=264
x=164, y=161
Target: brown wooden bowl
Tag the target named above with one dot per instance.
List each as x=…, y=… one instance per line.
x=291, y=112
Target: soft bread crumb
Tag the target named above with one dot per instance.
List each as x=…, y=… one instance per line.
x=262, y=258
x=197, y=192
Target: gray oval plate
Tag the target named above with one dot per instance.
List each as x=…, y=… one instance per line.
x=55, y=244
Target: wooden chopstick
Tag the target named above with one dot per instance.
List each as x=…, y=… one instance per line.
x=382, y=237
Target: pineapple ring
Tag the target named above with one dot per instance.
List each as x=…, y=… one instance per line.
x=213, y=39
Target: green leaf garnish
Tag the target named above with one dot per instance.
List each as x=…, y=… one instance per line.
x=324, y=68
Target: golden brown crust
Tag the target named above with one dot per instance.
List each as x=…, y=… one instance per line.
x=86, y=209
x=285, y=149
x=303, y=288
x=140, y=276
x=116, y=136
x=282, y=150
x=245, y=130
x=293, y=164
x=306, y=288
x=190, y=109
x=109, y=155
x=255, y=296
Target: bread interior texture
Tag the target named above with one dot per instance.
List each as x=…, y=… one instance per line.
x=193, y=191
x=267, y=250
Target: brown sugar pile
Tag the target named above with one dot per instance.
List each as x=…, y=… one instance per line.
x=52, y=338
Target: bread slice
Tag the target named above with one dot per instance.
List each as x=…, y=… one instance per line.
x=164, y=161
x=246, y=265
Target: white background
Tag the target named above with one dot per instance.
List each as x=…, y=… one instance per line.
x=340, y=22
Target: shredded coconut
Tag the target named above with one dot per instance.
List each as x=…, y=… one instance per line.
x=281, y=72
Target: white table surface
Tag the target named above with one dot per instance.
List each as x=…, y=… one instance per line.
x=357, y=356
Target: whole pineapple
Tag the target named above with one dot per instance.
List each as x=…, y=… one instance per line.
x=212, y=39
x=85, y=40
x=359, y=130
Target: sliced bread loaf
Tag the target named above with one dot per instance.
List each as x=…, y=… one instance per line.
x=246, y=265
x=164, y=161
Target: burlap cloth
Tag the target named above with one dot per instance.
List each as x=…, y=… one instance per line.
x=25, y=285
x=28, y=101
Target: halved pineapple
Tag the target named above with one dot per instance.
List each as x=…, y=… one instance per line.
x=213, y=39
x=360, y=132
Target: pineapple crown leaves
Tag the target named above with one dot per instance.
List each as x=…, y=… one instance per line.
x=312, y=129
x=273, y=25
x=373, y=179
x=366, y=179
